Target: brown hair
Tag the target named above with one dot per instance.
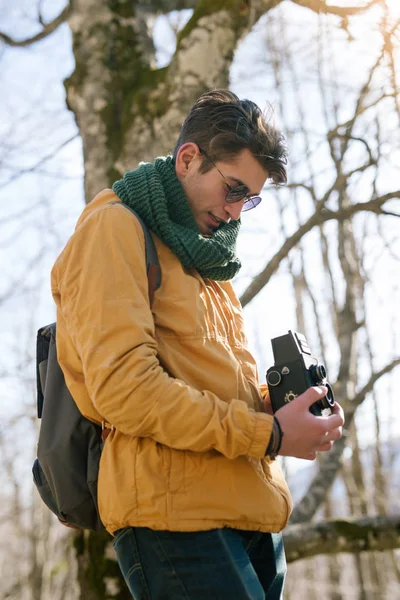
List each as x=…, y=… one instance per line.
x=222, y=125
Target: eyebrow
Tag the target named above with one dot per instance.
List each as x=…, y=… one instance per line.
x=238, y=181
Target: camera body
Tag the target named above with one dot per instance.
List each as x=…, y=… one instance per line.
x=294, y=371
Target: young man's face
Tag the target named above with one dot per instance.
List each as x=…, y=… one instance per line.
x=206, y=192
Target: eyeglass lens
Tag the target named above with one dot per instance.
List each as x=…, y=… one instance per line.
x=251, y=203
x=237, y=193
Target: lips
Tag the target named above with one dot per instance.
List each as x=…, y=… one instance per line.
x=217, y=222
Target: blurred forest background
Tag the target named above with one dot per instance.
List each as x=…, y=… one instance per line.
x=91, y=87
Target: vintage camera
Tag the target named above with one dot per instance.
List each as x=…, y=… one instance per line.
x=294, y=371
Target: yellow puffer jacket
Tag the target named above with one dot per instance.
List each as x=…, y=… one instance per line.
x=175, y=380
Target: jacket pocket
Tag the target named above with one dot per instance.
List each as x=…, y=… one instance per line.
x=174, y=465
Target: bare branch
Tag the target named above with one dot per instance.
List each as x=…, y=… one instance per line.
x=360, y=396
x=17, y=285
x=309, y=188
x=43, y=160
x=46, y=31
x=346, y=125
x=330, y=462
x=350, y=535
x=372, y=160
x=389, y=213
x=17, y=216
x=374, y=206
x=321, y=6
x=166, y=6
x=320, y=216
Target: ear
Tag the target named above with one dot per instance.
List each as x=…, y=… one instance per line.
x=187, y=158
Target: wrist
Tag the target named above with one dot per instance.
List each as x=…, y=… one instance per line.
x=275, y=441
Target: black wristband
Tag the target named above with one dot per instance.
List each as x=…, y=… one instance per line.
x=280, y=434
x=275, y=441
x=272, y=441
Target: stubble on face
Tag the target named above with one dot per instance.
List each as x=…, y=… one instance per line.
x=206, y=192
x=202, y=194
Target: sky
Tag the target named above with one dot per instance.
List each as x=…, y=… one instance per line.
x=38, y=211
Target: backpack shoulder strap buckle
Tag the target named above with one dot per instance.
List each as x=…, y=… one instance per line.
x=106, y=429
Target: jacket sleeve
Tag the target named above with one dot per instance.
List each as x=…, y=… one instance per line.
x=266, y=398
x=100, y=285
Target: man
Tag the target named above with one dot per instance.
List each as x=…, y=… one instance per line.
x=188, y=483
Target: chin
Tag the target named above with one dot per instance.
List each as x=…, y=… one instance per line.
x=204, y=230
x=207, y=231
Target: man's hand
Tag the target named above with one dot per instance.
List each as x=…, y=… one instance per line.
x=304, y=433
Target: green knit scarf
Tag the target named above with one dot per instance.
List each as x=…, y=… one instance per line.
x=155, y=193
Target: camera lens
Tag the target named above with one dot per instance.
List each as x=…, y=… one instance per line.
x=329, y=400
x=318, y=373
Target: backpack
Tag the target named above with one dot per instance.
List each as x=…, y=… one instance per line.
x=65, y=471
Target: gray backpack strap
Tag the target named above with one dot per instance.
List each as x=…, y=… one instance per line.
x=152, y=262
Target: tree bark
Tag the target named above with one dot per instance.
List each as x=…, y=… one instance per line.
x=126, y=110
x=99, y=576
x=350, y=535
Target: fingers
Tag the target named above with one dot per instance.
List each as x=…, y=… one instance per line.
x=313, y=394
x=325, y=447
x=325, y=444
x=327, y=441
x=304, y=433
x=335, y=421
x=338, y=410
x=310, y=456
x=321, y=448
x=332, y=436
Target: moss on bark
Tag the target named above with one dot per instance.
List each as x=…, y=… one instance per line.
x=110, y=51
x=109, y=59
x=130, y=83
x=94, y=567
x=129, y=102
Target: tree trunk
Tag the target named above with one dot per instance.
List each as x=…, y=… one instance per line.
x=99, y=576
x=126, y=110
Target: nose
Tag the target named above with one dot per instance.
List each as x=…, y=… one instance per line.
x=234, y=209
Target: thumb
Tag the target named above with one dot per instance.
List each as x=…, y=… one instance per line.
x=313, y=394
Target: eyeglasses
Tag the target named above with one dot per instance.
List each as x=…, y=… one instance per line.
x=238, y=193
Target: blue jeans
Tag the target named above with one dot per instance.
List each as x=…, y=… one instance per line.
x=219, y=564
